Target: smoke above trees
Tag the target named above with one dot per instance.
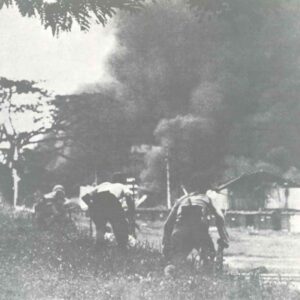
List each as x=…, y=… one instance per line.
x=220, y=93
x=216, y=93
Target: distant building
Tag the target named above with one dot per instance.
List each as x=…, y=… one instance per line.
x=259, y=191
x=262, y=200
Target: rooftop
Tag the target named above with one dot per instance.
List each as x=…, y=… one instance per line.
x=256, y=178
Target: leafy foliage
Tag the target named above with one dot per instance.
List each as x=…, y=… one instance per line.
x=100, y=135
x=10, y=108
x=27, y=117
x=60, y=15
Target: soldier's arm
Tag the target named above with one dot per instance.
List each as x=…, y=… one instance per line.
x=68, y=204
x=131, y=206
x=87, y=197
x=128, y=195
x=220, y=222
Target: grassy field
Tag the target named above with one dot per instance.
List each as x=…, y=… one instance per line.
x=56, y=264
x=276, y=250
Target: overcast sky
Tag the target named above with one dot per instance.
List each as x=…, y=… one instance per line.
x=66, y=63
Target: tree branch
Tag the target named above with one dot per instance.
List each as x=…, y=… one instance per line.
x=27, y=140
x=9, y=110
x=63, y=138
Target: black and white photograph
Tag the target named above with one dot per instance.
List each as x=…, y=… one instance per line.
x=149, y=149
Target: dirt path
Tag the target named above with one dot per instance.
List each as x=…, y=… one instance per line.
x=279, y=252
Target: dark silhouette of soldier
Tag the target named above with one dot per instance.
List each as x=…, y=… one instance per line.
x=187, y=228
x=106, y=205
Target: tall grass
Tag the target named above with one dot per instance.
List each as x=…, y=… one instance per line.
x=60, y=264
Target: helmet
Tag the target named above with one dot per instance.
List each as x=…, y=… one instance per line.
x=58, y=189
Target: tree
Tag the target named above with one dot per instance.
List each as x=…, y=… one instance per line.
x=60, y=15
x=27, y=117
x=100, y=136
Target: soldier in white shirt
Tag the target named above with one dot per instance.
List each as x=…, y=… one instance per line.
x=111, y=202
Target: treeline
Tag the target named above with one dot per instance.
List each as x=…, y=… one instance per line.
x=217, y=91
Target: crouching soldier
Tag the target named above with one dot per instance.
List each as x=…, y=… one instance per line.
x=187, y=228
x=51, y=208
x=105, y=206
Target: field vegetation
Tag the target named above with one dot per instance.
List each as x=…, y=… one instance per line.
x=63, y=264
